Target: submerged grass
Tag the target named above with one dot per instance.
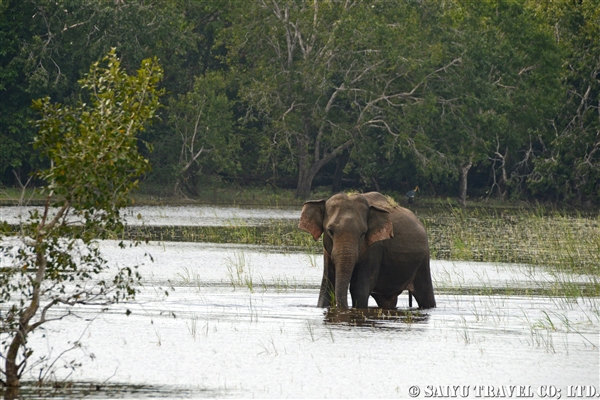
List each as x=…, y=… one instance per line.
x=276, y=233
x=560, y=241
x=563, y=242
x=66, y=389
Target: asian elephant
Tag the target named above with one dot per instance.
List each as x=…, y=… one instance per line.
x=372, y=245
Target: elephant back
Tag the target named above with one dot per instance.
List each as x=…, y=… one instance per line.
x=407, y=227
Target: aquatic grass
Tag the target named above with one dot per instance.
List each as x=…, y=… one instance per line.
x=310, y=328
x=158, y=338
x=312, y=259
x=464, y=331
x=542, y=338
x=330, y=331
x=284, y=284
x=560, y=242
x=253, y=312
x=548, y=238
x=272, y=233
x=557, y=322
x=311, y=331
x=188, y=277
x=15, y=196
x=193, y=325
x=268, y=348
x=565, y=244
x=239, y=270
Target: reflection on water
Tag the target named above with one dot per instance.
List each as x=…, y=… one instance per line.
x=95, y=390
x=376, y=317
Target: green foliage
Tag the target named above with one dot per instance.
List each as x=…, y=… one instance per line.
x=570, y=169
x=47, y=45
x=323, y=75
x=93, y=148
x=202, y=127
x=15, y=132
x=52, y=263
x=500, y=95
x=398, y=92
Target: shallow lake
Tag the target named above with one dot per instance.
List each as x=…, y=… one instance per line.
x=189, y=215
x=241, y=321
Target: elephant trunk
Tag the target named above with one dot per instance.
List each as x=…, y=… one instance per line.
x=344, y=259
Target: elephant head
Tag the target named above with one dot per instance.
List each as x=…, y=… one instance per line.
x=350, y=225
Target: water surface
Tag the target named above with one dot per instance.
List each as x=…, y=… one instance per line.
x=189, y=215
x=241, y=322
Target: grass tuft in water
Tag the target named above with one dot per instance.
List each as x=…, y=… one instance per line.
x=560, y=242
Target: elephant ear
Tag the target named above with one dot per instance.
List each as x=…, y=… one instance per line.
x=380, y=225
x=311, y=219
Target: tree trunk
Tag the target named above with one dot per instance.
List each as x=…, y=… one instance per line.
x=375, y=184
x=305, y=178
x=308, y=171
x=304, y=170
x=462, y=190
x=11, y=368
x=340, y=164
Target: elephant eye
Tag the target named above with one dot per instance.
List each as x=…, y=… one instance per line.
x=363, y=234
x=330, y=232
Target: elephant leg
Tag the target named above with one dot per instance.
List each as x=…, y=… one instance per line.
x=360, y=298
x=386, y=302
x=364, y=278
x=360, y=291
x=327, y=291
x=423, y=287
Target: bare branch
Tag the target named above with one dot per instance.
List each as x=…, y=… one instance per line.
x=43, y=228
x=408, y=95
x=326, y=158
x=527, y=69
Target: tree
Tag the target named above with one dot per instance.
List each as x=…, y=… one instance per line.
x=202, y=121
x=47, y=45
x=52, y=265
x=16, y=135
x=491, y=105
x=321, y=74
x=569, y=167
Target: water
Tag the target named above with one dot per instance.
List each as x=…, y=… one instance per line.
x=180, y=215
x=241, y=321
x=214, y=336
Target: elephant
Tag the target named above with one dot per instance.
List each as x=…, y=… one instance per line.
x=371, y=245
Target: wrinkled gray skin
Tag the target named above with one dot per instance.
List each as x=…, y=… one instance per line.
x=376, y=248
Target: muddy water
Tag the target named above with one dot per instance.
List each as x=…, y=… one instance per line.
x=241, y=321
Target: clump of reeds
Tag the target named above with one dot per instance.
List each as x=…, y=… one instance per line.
x=555, y=240
x=275, y=233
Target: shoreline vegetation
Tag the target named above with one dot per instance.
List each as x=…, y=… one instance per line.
x=267, y=196
x=561, y=240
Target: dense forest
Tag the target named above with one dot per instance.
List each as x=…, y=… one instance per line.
x=487, y=98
